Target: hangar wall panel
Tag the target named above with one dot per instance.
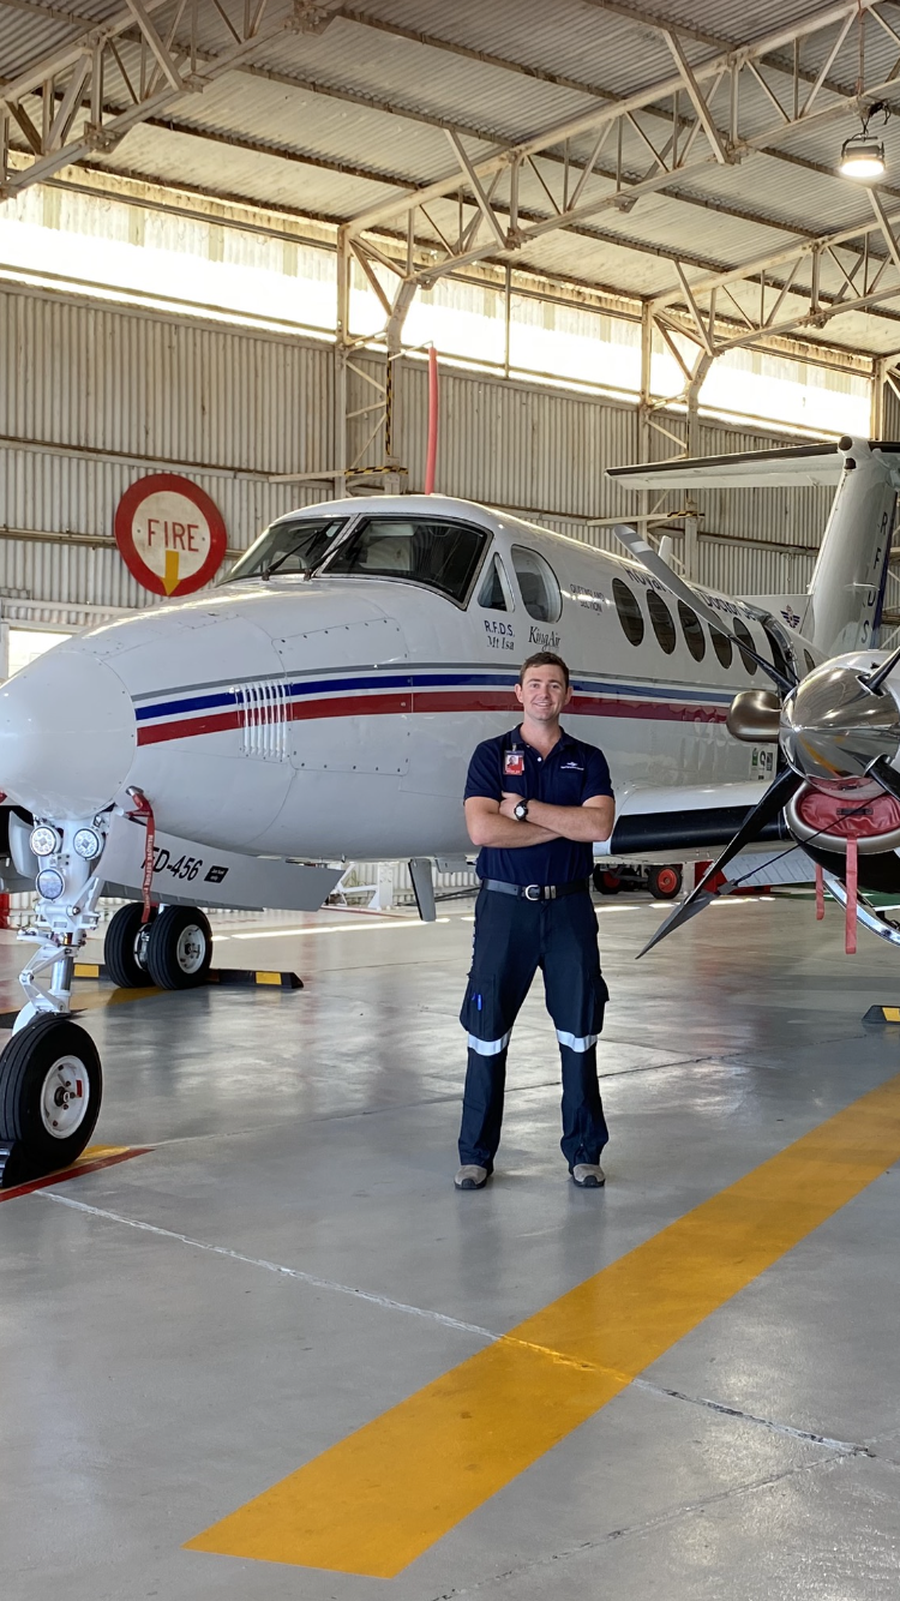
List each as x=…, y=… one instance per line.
x=119, y=380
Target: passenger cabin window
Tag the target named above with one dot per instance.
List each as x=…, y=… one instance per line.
x=537, y=585
x=722, y=646
x=494, y=592
x=693, y=632
x=744, y=637
x=661, y=619
x=630, y=615
x=439, y=555
x=292, y=545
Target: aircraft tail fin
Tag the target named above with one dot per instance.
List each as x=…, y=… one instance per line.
x=842, y=608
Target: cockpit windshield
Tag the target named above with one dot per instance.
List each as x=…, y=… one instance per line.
x=440, y=554
x=292, y=545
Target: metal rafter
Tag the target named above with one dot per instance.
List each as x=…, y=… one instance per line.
x=858, y=278
x=734, y=63
x=566, y=160
x=598, y=190
x=69, y=81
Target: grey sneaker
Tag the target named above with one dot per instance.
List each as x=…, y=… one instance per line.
x=471, y=1177
x=588, y=1175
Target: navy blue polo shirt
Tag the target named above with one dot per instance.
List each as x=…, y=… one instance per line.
x=570, y=775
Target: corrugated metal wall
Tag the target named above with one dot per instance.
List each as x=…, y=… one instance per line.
x=93, y=396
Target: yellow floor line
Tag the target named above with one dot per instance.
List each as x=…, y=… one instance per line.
x=377, y=1500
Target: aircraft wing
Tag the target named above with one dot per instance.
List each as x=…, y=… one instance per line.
x=683, y=821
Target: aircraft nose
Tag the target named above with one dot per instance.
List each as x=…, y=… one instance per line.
x=67, y=734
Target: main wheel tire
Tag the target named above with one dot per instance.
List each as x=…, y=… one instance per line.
x=605, y=882
x=664, y=883
x=124, y=949
x=179, y=950
x=51, y=1085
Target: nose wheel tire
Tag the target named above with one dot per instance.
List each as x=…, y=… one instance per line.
x=50, y=1089
x=179, y=948
x=125, y=946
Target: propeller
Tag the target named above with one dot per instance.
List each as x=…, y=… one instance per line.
x=767, y=808
x=835, y=724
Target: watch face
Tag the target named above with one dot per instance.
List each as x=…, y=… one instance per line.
x=521, y=810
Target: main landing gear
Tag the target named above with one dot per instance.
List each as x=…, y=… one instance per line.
x=50, y=1077
x=173, y=950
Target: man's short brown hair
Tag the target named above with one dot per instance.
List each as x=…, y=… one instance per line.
x=544, y=658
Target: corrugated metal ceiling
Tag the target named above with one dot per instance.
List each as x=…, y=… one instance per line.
x=334, y=121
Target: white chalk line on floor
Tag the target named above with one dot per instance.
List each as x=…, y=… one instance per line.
x=312, y=1279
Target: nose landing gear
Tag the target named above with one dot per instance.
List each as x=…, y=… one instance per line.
x=50, y=1077
x=50, y=1089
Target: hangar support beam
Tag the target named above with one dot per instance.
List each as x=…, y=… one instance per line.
x=145, y=56
x=495, y=205
x=376, y=391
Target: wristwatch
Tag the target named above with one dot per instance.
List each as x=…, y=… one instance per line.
x=520, y=811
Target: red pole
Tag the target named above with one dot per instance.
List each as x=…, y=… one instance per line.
x=431, y=453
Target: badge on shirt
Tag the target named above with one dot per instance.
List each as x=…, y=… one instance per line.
x=514, y=764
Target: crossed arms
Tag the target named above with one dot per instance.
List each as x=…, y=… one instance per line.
x=492, y=822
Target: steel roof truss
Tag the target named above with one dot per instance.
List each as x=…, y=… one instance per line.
x=695, y=95
x=484, y=204
x=887, y=231
x=713, y=69
x=76, y=120
x=169, y=68
x=597, y=189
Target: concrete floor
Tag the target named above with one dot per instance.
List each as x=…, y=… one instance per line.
x=290, y=1260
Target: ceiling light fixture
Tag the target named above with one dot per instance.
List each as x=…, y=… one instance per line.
x=862, y=155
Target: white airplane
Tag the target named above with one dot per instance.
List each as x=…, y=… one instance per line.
x=323, y=702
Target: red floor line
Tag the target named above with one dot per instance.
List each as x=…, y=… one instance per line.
x=67, y=1173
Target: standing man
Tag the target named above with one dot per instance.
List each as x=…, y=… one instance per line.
x=536, y=799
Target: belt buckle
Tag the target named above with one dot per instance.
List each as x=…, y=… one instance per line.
x=532, y=892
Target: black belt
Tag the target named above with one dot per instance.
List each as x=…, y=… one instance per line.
x=536, y=892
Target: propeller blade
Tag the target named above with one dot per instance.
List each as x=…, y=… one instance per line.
x=643, y=552
x=873, y=681
x=696, y=902
x=886, y=775
x=775, y=798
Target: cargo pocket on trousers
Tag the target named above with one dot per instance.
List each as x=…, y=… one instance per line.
x=479, y=1012
x=600, y=998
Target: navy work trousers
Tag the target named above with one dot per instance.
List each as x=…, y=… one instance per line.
x=513, y=938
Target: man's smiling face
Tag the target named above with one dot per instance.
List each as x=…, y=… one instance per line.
x=543, y=694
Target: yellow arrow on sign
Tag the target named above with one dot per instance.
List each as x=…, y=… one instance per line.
x=170, y=576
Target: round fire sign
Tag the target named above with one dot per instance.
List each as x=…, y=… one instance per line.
x=170, y=534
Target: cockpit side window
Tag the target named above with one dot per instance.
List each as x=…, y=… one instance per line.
x=494, y=593
x=540, y=591
x=441, y=555
x=292, y=545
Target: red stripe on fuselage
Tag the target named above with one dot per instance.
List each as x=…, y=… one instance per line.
x=437, y=700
